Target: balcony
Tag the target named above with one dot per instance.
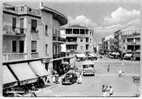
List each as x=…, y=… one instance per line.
x=13, y=31
x=77, y=35
x=14, y=56
x=34, y=55
x=71, y=43
x=58, y=39
x=59, y=55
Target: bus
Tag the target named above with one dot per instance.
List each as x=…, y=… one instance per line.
x=88, y=68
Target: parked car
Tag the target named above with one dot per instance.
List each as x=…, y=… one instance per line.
x=136, y=56
x=128, y=56
x=69, y=78
x=92, y=56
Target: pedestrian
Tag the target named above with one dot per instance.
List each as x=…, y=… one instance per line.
x=120, y=73
x=33, y=94
x=103, y=88
x=110, y=91
x=57, y=78
x=108, y=68
x=79, y=79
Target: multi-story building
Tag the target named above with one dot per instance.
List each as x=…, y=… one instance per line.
x=129, y=40
x=108, y=44
x=52, y=39
x=78, y=39
x=33, y=34
x=22, y=29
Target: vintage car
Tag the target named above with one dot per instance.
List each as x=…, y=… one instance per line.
x=69, y=78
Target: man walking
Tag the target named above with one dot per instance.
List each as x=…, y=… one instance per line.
x=108, y=68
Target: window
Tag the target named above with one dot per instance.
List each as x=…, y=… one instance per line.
x=46, y=49
x=87, y=39
x=46, y=30
x=87, y=46
x=14, y=46
x=14, y=23
x=22, y=8
x=34, y=46
x=33, y=25
x=21, y=46
x=21, y=25
x=81, y=40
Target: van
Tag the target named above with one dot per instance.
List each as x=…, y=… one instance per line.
x=88, y=68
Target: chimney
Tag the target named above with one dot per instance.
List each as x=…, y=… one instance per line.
x=41, y=5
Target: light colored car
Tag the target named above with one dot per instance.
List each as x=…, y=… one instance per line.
x=128, y=56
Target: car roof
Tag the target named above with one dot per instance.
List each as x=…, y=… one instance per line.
x=87, y=63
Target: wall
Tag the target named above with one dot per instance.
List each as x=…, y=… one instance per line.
x=46, y=20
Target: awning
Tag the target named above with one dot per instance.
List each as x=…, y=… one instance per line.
x=23, y=71
x=127, y=55
x=80, y=55
x=92, y=55
x=115, y=53
x=8, y=76
x=38, y=68
x=65, y=62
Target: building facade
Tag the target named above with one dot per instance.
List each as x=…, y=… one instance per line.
x=78, y=39
x=22, y=29
x=33, y=34
x=129, y=40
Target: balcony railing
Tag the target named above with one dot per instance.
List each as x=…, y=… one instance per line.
x=16, y=31
x=14, y=56
x=74, y=42
x=55, y=38
x=34, y=55
x=59, y=55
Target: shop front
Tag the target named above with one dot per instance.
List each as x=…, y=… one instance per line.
x=25, y=76
x=39, y=69
x=9, y=81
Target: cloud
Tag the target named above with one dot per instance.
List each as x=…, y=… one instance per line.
x=122, y=15
x=82, y=20
x=136, y=22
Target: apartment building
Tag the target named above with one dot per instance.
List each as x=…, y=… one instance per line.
x=78, y=39
x=129, y=40
x=32, y=44
x=22, y=29
x=52, y=38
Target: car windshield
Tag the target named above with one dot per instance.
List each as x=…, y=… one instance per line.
x=88, y=66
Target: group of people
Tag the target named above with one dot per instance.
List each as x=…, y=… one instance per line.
x=107, y=90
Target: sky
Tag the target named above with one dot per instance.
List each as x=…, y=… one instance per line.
x=106, y=16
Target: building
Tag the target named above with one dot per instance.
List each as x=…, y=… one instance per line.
x=79, y=39
x=108, y=44
x=52, y=39
x=32, y=44
x=22, y=29
x=129, y=40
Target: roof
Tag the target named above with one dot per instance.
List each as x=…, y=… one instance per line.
x=75, y=26
x=80, y=55
x=57, y=15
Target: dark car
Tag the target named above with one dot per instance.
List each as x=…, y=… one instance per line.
x=70, y=78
